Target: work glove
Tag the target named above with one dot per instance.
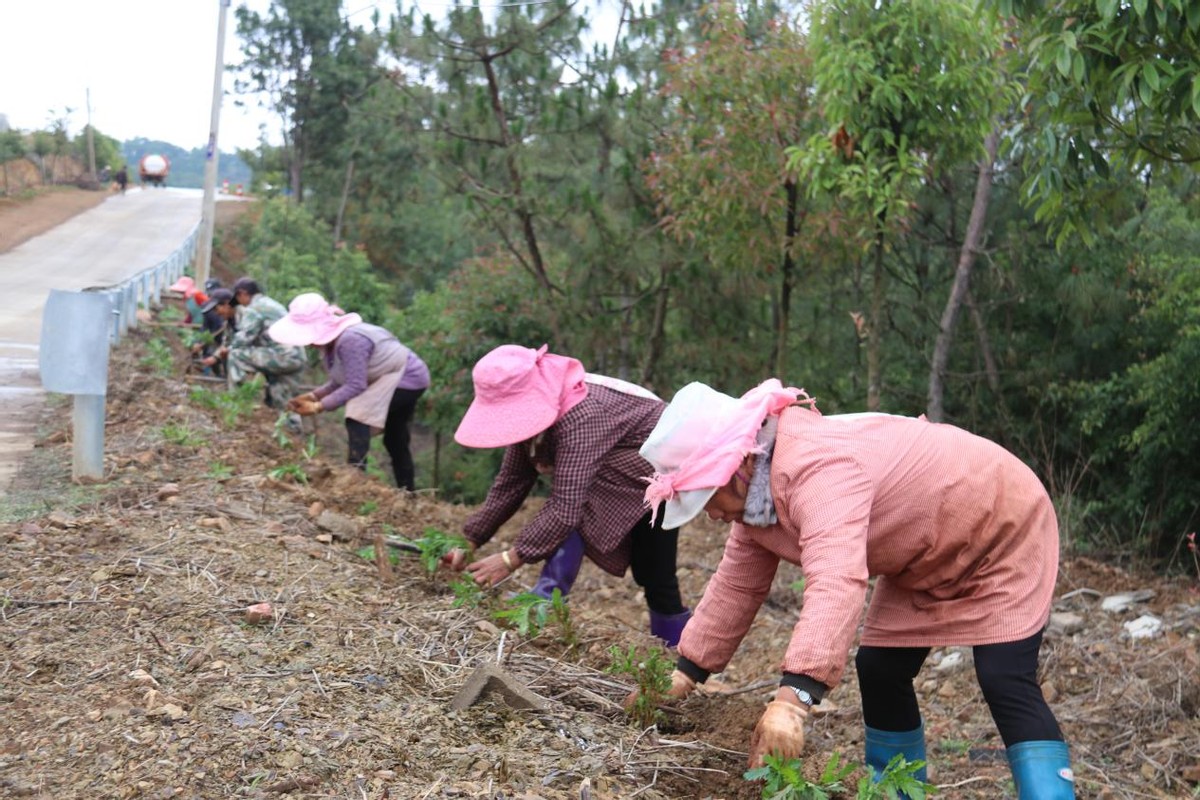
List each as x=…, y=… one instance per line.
x=291, y=404
x=305, y=407
x=681, y=687
x=780, y=732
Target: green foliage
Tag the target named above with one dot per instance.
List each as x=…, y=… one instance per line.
x=368, y=552
x=289, y=251
x=367, y=508
x=906, y=87
x=528, y=613
x=899, y=779
x=232, y=405
x=294, y=472
x=159, y=357
x=651, y=672
x=481, y=306
x=218, y=471
x=435, y=544
x=1112, y=87
x=783, y=780
x=467, y=593
x=181, y=435
x=1133, y=417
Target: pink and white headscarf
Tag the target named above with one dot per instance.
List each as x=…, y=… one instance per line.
x=701, y=439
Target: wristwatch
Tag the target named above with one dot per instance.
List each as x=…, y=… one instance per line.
x=803, y=696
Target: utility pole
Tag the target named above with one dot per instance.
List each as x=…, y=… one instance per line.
x=91, y=142
x=208, y=213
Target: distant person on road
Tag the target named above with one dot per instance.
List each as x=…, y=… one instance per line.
x=958, y=537
x=584, y=430
x=371, y=373
x=251, y=350
x=122, y=178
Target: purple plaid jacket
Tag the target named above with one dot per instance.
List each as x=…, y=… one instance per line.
x=598, y=481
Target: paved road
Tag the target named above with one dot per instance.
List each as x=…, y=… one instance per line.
x=104, y=246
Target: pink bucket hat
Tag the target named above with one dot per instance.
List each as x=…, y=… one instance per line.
x=311, y=320
x=185, y=286
x=519, y=392
x=701, y=438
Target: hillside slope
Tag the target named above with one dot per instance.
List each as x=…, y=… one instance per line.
x=131, y=669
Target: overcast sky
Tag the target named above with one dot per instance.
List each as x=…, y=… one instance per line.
x=148, y=64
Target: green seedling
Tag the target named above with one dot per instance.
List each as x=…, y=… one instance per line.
x=369, y=507
x=467, y=593
x=289, y=472
x=280, y=432
x=783, y=780
x=218, y=471
x=435, y=544
x=530, y=613
x=158, y=357
x=652, y=673
x=231, y=405
x=527, y=612
x=181, y=435
x=368, y=552
x=899, y=779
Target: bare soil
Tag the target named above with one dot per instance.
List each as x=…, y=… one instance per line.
x=32, y=214
x=129, y=666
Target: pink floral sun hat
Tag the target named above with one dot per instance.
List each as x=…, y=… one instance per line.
x=701, y=438
x=519, y=392
x=311, y=320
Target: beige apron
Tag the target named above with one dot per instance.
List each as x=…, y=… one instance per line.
x=384, y=369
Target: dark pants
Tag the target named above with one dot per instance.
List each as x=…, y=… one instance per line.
x=396, y=437
x=1007, y=674
x=653, y=565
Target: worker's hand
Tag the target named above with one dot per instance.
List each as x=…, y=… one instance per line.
x=208, y=361
x=291, y=404
x=223, y=352
x=493, y=569
x=681, y=686
x=458, y=558
x=780, y=732
x=305, y=408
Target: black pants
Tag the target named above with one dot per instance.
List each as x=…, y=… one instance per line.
x=396, y=437
x=653, y=565
x=1007, y=674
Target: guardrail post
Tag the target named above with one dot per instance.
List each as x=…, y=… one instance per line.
x=87, y=426
x=73, y=359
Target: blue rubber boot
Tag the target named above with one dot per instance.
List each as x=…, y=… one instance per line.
x=561, y=569
x=883, y=746
x=1042, y=770
x=669, y=627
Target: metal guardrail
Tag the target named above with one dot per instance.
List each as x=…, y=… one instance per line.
x=79, y=329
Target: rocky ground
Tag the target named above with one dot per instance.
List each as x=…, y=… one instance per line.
x=130, y=666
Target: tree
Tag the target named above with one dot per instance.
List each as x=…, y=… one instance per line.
x=311, y=64
x=12, y=146
x=720, y=168
x=1112, y=86
x=907, y=88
